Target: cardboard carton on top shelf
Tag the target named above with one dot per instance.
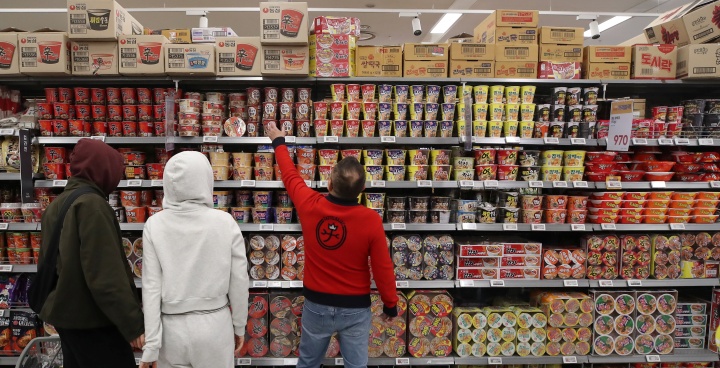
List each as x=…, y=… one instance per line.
x=516, y=52
x=99, y=20
x=472, y=68
x=472, y=51
x=44, y=52
x=285, y=60
x=612, y=71
x=562, y=35
x=94, y=58
x=506, y=35
x=179, y=36
x=332, y=55
x=142, y=55
x=608, y=54
x=379, y=61
x=654, y=62
x=198, y=59
x=516, y=69
x=561, y=53
x=692, y=23
x=283, y=23
x=513, y=18
x=208, y=35
x=699, y=61
x=336, y=25
x=238, y=56
x=9, y=52
x=559, y=70
x=425, y=69
x=426, y=51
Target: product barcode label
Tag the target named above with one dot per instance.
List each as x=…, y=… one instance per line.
x=6, y=268
x=59, y=183
x=243, y=361
x=247, y=183
x=398, y=226
x=474, y=50
x=677, y=226
x=330, y=139
x=517, y=52
x=402, y=361
x=4, y=226
x=634, y=283
x=490, y=184
x=497, y=283
x=210, y=139
x=535, y=184
x=705, y=70
x=7, y=131
x=562, y=34
x=639, y=141
x=578, y=141
x=608, y=227
x=577, y=227
x=647, y=71
x=495, y=361
x=665, y=142
x=128, y=64
x=387, y=139
x=156, y=183
x=658, y=184
x=176, y=65
x=339, y=361
x=605, y=283
x=469, y=226
x=259, y=284
x=705, y=142
x=323, y=184
x=81, y=68
x=551, y=140
x=569, y=360
x=510, y=227
x=467, y=283
x=580, y=184
x=560, y=184
x=424, y=183
x=134, y=183
x=538, y=227
x=402, y=284
x=377, y=184
x=652, y=358
x=266, y=227
x=296, y=284
x=29, y=64
x=570, y=283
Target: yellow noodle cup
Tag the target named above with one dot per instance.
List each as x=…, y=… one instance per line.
x=460, y=114
x=373, y=172
x=417, y=172
x=464, y=174
x=573, y=173
x=460, y=126
x=512, y=94
x=440, y=172
x=496, y=94
x=512, y=112
x=551, y=173
x=496, y=111
x=480, y=111
x=494, y=129
x=525, y=129
x=479, y=128
x=480, y=93
x=527, y=112
x=574, y=158
x=510, y=128
x=440, y=157
x=395, y=172
x=551, y=158
x=464, y=91
x=527, y=94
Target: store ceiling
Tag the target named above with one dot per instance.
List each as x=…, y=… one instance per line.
x=388, y=27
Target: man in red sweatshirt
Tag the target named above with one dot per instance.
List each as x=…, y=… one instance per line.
x=340, y=235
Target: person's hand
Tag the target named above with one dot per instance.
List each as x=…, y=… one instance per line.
x=138, y=343
x=273, y=132
x=148, y=365
x=239, y=341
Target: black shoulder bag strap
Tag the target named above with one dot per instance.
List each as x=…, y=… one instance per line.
x=46, y=278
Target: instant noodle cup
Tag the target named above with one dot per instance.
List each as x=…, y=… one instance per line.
x=496, y=94
x=512, y=94
x=368, y=128
x=441, y=157
x=494, y=129
x=512, y=112
x=532, y=216
x=529, y=173
x=307, y=172
x=577, y=203
x=395, y=172
x=463, y=163
x=242, y=173
x=263, y=173
x=461, y=109
x=373, y=172
x=328, y=156
x=525, y=129
x=485, y=156
x=574, y=158
x=486, y=172
x=447, y=111
x=440, y=172
x=242, y=159
x=527, y=94
x=573, y=173
x=321, y=127
x=531, y=202
x=480, y=111
x=431, y=129
x=450, y=93
x=400, y=110
x=657, y=203
x=507, y=156
x=54, y=171
x=479, y=128
x=551, y=173
x=552, y=158
x=395, y=156
x=417, y=172
x=11, y=212
x=416, y=128
x=463, y=174
x=496, y=111
x=480, y=93
x=305, y=155
x=221, y=172
x=337, y=127
x=507, y=172
x=135, y=214
x=400, y=127
x=419, y=156
x=660, y=195
x=510, y=128
x=555, y=216
x=576, y=217
x=60, y=128
x=384, y=128
x=155, y=171
x=556, y=202
x=262, y=215
x=372, y=156
x=431, y=111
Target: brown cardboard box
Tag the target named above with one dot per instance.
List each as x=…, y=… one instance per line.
x=378, y=61
x=99, y=20
x=608, y=54
x=332, y=55
x=238, y=56
x=559, y=70
x=669, y=27
x=44, y=52
x=285, y=60
x=516, y=69
x=472, y=51
x=561, y=53
x=283, y=23
x=612, y=71
x=209, y=35
x=179, y=36
x=699, y=61
x=654, y=62
x=701, y=23
x=691, y=23
x=141, y=55
x=513, y=18
x=472, y=68
x=516, y=52
x=9, y=51
x=94, y=58
x=426, y=51
x=562, y=35
x=507, y=35
x=425, y=69
x=196, y=59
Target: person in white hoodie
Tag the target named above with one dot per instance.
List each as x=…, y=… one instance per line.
x=194, y=269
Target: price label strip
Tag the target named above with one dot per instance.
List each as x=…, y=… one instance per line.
x=551, y=140
x=495, y=361
x=639, y=142
x=577, y=227
x=398, y=226
x=510, y=227
x=560, y=184
x=387, y=139
x=6, y=268
x=339, y=361
x=59, y=183
x=377, y=184
x=267, y=227
x=290, y=139
x=248, y=183
x=467, y=184
x=682, y=141
x=156, y=183
x=666, y=142
x=330, y=139
x=243, y=361
x=467, y=283
x=4, y=226
x=402, y=361
x=706, y=142
x=570, y=360
x=259, y=284
x=578, y=141
x=497, y=283
x=512, y=139
x=538, y=227
x=424, y=184
x=677, y=226
x=210, y=139
x=634, y=283
x=535, y=184
x=605, y=283
x=570, y=283
x=580, y=184
x=608, y=226
x=402, y=284
x=652, y=358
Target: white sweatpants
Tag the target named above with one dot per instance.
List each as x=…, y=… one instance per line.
x=197, y=341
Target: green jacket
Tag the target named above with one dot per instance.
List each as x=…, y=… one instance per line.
x=95, y=286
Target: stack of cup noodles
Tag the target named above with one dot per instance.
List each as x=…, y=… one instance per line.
x=20, y=248
x=136, y=167
x=256, y=207
x=699, y=255
x=135, y=206
x=501, y=331
x=572, y=113
x=428, y=258
x=189, y=122
x=421, y=209
x=569, y=317
x=114, y=112
x=285, y=314
x=387, y=336
x=306, y=162
x=429, y=323
x=553, y=209
x=493, y=260
x=10, y=102
x=565, y=263
x=289, y=112
x=262, y=212
x=602, y=256
x=469, y=332
x=498, y=111
x=242, y=166
x=264, y=257
x=342, y=114
x=691, y=319
x=666, y=257
x=55, y=165
x=635, y=257
x=213, y=114
x=700, y=118
x=220, y=162
x=293, y=257
x=256, y=331
x=133, y=248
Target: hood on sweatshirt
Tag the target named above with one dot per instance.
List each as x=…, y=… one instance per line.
x=96, y=161
x=188, y=182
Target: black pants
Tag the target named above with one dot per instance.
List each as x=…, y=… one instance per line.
x=95, y=348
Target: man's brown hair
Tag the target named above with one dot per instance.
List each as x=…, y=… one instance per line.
x=348, y=178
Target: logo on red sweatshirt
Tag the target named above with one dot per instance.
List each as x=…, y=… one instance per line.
x=331, y=233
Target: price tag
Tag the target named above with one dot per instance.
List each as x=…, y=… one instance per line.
x=4, y=226
x=682, y=141
x=330, y=139
x=570, y=283
x=290, y=361
x=377, y=184
x=210, y=139
x=323, y=184
x=469, y=226
x=387, y=139
x=59, y=183
x=6, y=268
x=243, y=361
x=247, y=183
x=608, y=227
x=535, y=184
x=296, y=284
x=512, y=139
x=580, y=184
x=134, y=183
x=490, y=184
x=621, y=116
x=339, y=361
x=2, y=313
x=137, y=361
x=259, y=284
x=538, y=227
x=495, y=361
x=634, y=283
x=510, y=227
x=402, y=284
x=290, y=139
x=7, y=131
x=551, y=140
x=497, y=283
x=652, y=358
x=402, y=361
x=677, y=226
x=715, y=184
x=467, y=283
x=706, y=142
x=467, y=184
x=639, y=142
x=424, y=184
x=267, y=227
x=605, y=283
x=100, y=138
x=274, y=284
x=156, y=183
x=578, y=141
x=308, y=183
x=658, y=184
x=614, y=185
x=666, y=142
x=569, y=360
x=577, y=227
x=560, y=184
x=398, y=226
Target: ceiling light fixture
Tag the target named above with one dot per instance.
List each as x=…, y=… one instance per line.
x=444, y=24
x=604, y=26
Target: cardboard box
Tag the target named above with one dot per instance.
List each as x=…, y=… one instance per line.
x=562, y=35
x=699, y=61
x=701, y=23
x=612, y=71
x=46, y=52
x=336, y=25
x=283, y=23
x=516, y=69
x=559, y=70
x=141, y=55
x=516, y=52
x=208, y=35
x=507, y=35
x=472, y=51
x=691, y=23
x=472, y=68
x=426, y=51
x=561, y=53
x=94, y=58
x=189, y=59
x=654, y=62
x=9, y=51
x=100, y=20
x=238, y=56
x=179, y=36
x=332, y=55
x=425, y=69
x=285, y=60
x=513, y=18
x=378, y=61
x=608, y=54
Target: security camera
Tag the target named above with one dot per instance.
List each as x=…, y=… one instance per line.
x=417, y=28
x=595, y=29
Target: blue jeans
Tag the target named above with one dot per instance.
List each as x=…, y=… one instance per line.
x=320, y=322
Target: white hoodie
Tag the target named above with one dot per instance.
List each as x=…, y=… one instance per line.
x=193, y=256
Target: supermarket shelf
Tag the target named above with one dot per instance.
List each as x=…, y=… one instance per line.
x=521, y=284
x=655, y=283
x=657, y=227
x=271, y=227
x=574, y=82
x=274, y=184
x=406, y=184
x=670, y=143
x=20, y=226
x=18, y=268
x=108, y=140
x=132, y=227
x=8, y=361
x=10, y=176
x=239, y=140
x=658, y=185
x=265, y=362
x=420, y=227
x=389, y=80
x=525, y=227
x=520, y=360
x=545, y=184
x=679, y=356
x=386, y=140
x=532, y=142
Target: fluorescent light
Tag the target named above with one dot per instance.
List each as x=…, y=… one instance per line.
x=612, y=22
x=444, y=24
